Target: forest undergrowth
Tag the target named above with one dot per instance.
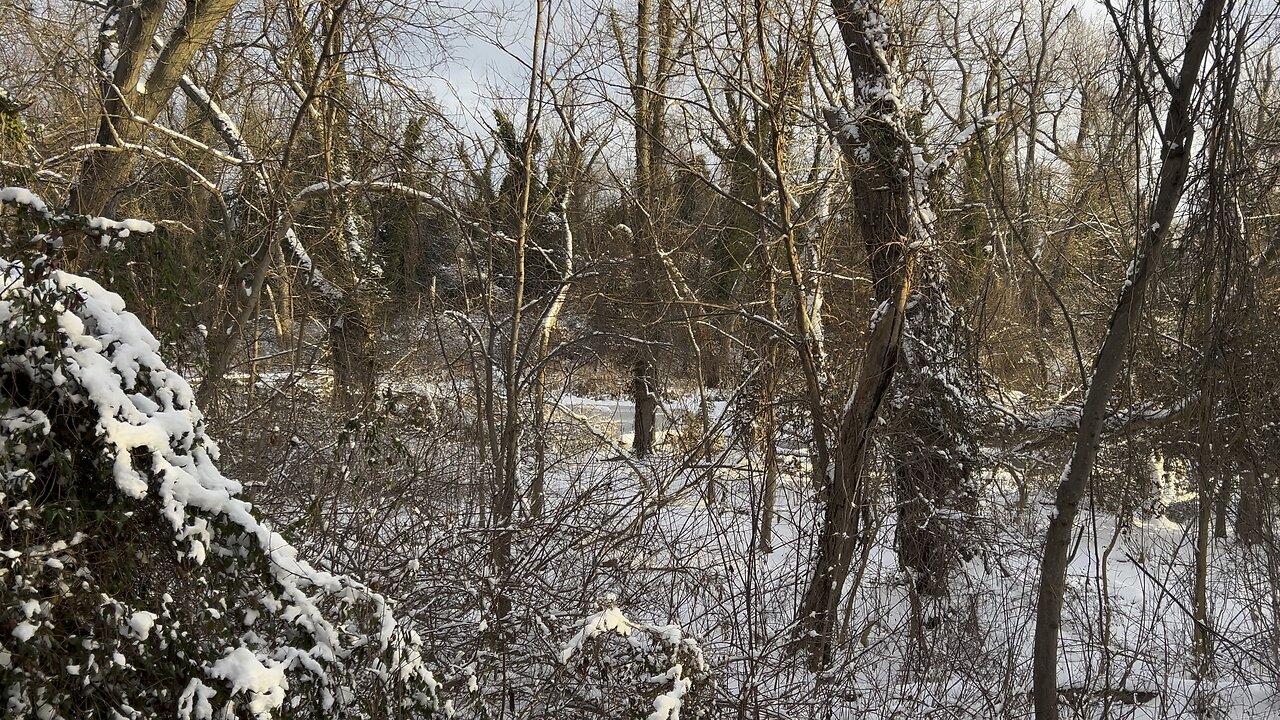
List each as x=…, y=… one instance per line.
x=645, y=537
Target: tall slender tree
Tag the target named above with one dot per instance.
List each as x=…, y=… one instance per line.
x=1176, y=136
x=650, y=77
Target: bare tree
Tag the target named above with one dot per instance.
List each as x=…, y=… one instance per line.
x=649, y=78
x=910, y=335
x=1176, y=138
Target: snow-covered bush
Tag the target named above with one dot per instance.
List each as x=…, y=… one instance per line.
x=620, y=668
x=134, y=580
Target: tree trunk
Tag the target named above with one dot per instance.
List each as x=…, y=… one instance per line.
x=1177, y=134
x=932, y=454
x=766, y=441
x=352, y=336
x=1222, y=504
x=648, y=90
x=846, y=494
x=132, y=87
x=550, y=319
x=646, y=403
x=931, y=465
x=352, y=350
x=1252, y=519
x=1200, y=601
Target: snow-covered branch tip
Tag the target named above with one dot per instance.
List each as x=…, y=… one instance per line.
x=29, y=204
x=962, y=140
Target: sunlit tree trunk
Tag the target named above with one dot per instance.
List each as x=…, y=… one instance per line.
x=910, y=334
x=136, y=87
x=548, y=324
x=1175, y=162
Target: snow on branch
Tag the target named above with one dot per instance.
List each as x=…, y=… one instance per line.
x=188, y=140
x=1066, y=418
x=32, y=204
x=381, y=186
x=228, y=130
x=962, y=140
x=317, y=280
x=147, y=150
x=326, y=186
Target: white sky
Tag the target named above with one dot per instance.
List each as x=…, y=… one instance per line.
x=488, y=54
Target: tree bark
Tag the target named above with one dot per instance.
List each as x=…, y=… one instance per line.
x=550, y=319
x=1252, y=518
x=930, y=466
x=130, y=91
x=761, y=435
x=1222, y=504
x=648, y=90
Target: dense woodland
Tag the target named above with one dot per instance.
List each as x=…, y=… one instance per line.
x=713, y=358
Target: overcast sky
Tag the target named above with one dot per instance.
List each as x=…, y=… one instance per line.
x=489, y=49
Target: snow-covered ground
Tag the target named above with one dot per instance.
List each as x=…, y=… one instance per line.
x=642, y=534
x=1126, y=642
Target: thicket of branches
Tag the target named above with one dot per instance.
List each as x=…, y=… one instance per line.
x=857, y=277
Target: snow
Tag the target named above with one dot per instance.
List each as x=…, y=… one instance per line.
x=109, y=366
x=244, y=672
x=121, y=228
x=700, y=556
x=608, y=620
x=24, y=631
x=667, y=705
x=663, y=644
x=141, y=623
x=1145, y=629
x=23, y=196
x=880, y=312
x=317, y=279
x=194, y=703
x=94, y=225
